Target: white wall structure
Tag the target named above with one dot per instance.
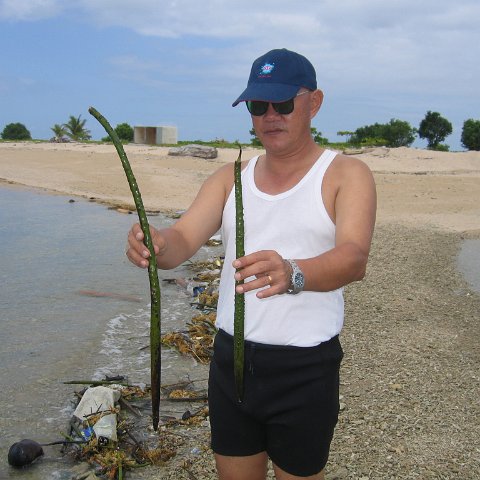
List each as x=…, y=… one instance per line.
x=155, y=135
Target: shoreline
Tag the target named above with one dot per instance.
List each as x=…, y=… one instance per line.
x=415, y=186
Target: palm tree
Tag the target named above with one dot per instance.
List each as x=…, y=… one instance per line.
x=75, y=129
x=59, y=131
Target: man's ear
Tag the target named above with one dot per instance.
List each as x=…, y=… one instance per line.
x=316, y=102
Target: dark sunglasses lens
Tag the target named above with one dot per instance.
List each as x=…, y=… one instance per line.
x=257, y=107
x=284, y=108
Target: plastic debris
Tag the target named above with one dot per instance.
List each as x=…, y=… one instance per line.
x=96, y=400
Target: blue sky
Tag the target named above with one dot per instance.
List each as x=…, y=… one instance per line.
x=183, y=62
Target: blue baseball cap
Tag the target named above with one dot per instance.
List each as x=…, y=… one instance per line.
x=277, y=76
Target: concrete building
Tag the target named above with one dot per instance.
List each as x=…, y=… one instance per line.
x=155, y=135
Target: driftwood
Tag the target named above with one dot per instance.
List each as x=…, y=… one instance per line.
x=97, y=383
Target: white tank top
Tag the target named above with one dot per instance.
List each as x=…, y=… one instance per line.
x=296, y=224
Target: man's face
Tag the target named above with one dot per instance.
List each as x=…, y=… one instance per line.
x=283, y=133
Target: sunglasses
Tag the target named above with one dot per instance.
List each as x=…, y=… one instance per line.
x=258, y=108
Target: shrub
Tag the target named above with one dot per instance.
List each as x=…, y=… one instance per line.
x=399, y=133
x=16, y=131
x=255, y=140
x=373, y=142
x=124, y=132
x=435, y=129
x=441, y=147
x=471, y=134
x=317, y=137
x=396, y=133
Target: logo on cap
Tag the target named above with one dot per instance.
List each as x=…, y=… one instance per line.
x=266, y=69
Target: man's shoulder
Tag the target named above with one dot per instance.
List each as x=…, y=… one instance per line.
x=347, y=169
x=349, y=163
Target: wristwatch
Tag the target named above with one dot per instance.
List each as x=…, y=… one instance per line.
x=297, y=280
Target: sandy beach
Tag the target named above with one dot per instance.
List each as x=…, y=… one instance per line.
x=418, y=187
x=410, y=380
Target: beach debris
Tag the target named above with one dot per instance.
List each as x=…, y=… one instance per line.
x=239, y=313
x=106, y=429
x=181, y=395
x=207, y=299
x=155, y=322
x=96, y=414
x=59, y=140
x=124, y=210
x=214, y=241
x=24, y=452
x=197, y=341
x=194, y=150
x=131, y=448
x=94, y=400
x=176, y=215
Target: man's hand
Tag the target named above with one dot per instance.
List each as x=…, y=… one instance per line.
x=136, y=250
x=265, y=268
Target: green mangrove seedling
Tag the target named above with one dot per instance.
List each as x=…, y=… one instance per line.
x=155, y=351
x=239, y=315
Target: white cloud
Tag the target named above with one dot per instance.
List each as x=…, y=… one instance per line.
x=213, y=18
x=30, y=10
x=372, y=48
x=404, y=35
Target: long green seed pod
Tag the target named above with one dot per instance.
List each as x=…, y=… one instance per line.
x=239, y=315
x=155, y=351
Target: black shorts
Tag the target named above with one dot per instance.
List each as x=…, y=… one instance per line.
x=290, y=405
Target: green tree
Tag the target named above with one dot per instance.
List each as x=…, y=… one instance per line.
x=75, y=129
x=369, y=135
x=435, y=129
x=317, y=137
x=59, y=131
x=345, y=133
x=471, y=134
x=124, y=132
x=399, y=133
x=16, y=131
x=396, y=133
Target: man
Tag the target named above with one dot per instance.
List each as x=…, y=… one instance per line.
x=309, y=216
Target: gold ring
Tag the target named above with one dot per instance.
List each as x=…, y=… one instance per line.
x=269, y=279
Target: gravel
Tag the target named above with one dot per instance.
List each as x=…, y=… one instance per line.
x=409, y=388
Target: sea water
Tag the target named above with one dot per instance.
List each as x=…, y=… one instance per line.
x=469, y=262
x=53, y=248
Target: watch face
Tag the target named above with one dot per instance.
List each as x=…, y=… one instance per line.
x=299, y=280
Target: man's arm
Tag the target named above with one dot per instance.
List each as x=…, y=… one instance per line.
x=178, y=243
x=350, y=199
x=354, y=209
